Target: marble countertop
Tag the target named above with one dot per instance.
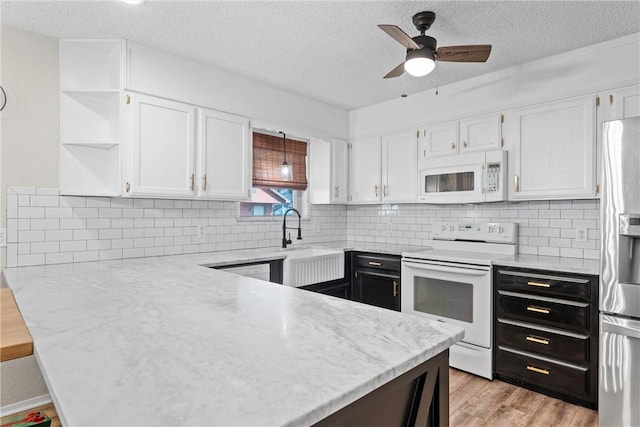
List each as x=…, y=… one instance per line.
x=166, y=341
x=562, y=264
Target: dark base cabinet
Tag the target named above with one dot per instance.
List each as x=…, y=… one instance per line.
x=336, y=288
x=546, y=332
x=419, y=397
x=376, y=279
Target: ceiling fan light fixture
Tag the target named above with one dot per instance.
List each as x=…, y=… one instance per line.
x=420, y=62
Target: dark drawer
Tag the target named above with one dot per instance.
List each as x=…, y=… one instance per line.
x=570, y=348
x=378, y=262
x=571, y=287
x=568, y=379
x=560, y=314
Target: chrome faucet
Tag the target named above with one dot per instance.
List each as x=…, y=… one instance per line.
x=286, y=241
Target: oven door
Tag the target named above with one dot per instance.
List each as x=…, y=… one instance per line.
x=459, y=294
x=453, y=184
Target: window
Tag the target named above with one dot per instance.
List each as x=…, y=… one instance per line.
x=270, y=195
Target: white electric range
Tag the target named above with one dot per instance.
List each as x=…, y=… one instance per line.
x=453, y=283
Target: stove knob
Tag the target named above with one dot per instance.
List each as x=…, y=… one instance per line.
x=500, y=229
x=443, y=227
x=451, y=228
x=490, y=229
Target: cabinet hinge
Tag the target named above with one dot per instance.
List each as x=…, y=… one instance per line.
x=349, y=146
x=127, y=187
x=350, y=198
x=418, y=133
x=502, y=142
x=501, y=118
x=610, y=99
x=597, y=189
x=128, y=100
x=597, y=101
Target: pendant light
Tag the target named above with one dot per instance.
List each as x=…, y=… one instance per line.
x=286, y=173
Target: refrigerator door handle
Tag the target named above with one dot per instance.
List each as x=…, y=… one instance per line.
x=621, y=326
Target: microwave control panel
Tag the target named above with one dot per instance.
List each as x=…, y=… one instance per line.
x=493, y=178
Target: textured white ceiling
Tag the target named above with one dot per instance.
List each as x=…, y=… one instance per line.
x=332, y=50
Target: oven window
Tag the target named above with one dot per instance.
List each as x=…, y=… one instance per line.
x=443, y=298
x=446, y=182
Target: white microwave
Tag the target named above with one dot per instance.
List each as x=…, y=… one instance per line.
x=465, y=178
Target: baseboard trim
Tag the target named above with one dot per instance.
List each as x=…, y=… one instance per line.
x=24, y=405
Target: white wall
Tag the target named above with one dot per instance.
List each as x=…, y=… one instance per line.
x=608, y=65
x=30, y=122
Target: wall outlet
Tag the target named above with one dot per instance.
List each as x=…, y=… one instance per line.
x=581, y=234
x=3, y=237
x=389, y=226
x=202, y=231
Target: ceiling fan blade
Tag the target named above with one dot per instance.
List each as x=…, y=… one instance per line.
x=395, y=72
x=400, y=36
x=468, y=53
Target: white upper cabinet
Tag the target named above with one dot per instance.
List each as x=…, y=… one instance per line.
x=364, y=171
x=552, y=150
x=161, y=148
x=439, y=140
x=328, y=171
x=384, y=169
x=399, y=168
x=224, y=156
x=621, y=103
x=482, y=133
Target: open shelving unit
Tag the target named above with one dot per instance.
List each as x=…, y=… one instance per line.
x=91, y=76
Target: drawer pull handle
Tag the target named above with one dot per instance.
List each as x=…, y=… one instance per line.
x=539, y=284
x=395, y=288
x=537, y=340
x=377, y=264
x=538, y=370
x=539, y=310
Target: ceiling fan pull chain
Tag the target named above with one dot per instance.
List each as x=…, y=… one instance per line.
x=437, y=74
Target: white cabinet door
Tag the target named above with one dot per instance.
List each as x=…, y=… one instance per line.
x=328, y=171
x=319, y=189
x=224, y=151
x=162, y=153
x=339, y=171
x=481, y=133
x=399, y=168
x=553, y=147
x=624, y=103
x=364, y=171
x=439, y=140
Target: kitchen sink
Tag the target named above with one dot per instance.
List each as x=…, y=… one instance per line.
x=308, y=265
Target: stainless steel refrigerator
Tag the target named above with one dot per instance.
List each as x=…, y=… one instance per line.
x=619, y=364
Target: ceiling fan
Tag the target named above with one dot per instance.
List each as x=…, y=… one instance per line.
x=421, y=50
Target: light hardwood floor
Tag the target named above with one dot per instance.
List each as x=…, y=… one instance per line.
x=475, y=401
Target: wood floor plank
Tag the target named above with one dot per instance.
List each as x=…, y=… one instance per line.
x=464, y=388
x=553, y=412
x=524, y=400
x=485, y=402
x=475, y=401
x=464, y=419
x=507, y=416
x=585, y=418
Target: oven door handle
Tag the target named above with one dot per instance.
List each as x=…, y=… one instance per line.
x=447, y=269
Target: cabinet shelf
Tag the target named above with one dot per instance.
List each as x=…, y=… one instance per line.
x=102, y=145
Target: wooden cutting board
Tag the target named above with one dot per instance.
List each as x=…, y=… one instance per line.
x=15, y=339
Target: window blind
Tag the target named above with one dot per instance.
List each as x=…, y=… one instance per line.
x=268, y=155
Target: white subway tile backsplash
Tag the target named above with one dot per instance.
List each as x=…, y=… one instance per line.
x=31, y=236
x=92, y=228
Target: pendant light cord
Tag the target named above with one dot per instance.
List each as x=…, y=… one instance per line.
x=284, y=142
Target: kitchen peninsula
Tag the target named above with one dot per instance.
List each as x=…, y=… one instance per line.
x=167, y=341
